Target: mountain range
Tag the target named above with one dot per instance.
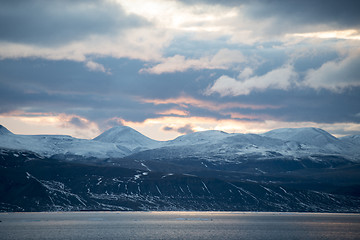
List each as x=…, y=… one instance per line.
x=289, y=169
x=123, y=141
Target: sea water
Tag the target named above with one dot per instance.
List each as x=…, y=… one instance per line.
x=178, y=225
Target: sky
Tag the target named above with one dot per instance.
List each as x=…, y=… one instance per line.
x=172, y=67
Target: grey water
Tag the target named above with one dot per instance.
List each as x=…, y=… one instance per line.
x=178, y=225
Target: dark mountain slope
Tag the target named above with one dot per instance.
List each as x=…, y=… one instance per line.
x=33, y=183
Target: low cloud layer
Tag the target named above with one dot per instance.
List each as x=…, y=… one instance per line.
x=223, y=59
x=93, y=66
x=276, y=79
x=186, y=129
x=337, y=75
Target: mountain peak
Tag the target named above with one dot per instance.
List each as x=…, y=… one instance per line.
x=4, y=130
x=309, y=135
x=126, y=137
x=200, y=137
x=119, y=129
x=354, y=139
x=114, y=132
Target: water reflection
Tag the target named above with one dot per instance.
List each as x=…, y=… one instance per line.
x=178, y=225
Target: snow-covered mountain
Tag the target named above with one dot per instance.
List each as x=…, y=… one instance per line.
x=353, y=139
x=127, y=137
x=217, y=145
x=4, y=131
x=204, y=137
x=123, y=141
x=303, y=169
x=310, y=136
x=50, y=145
x=315, y=140
x=289, y=143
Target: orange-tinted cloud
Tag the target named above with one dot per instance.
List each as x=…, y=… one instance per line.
x=166, y=128
x=185, y=101
x=174, y=111
x=49, y=123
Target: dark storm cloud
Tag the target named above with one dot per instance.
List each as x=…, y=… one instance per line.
x=61, y=21
x=342, y=13
x=307, y=105
x=186, y=129
x=167, y=128
x=78, y=122
x=230, y=3
x=290, y=13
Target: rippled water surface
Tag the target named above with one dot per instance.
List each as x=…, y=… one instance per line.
x=178, y=225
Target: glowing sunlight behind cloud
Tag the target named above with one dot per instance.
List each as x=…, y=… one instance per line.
x=39, y=123
x=177, y=16
x=185, y=101
x=156, y=128
x=350, y=34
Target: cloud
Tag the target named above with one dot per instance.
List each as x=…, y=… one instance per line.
x=50, y=123
x=246, y=73
x=186, y=101
x=166, y=128
x=93, y=66
x=130, y=44
x=280, y=78
x=175, y=112
x=136, y=97
x=76, y=30
x=186, y=129
x=58, y=22
x=223, y=59
x=259, y=21
x=335, y=76
x=339, y=13
x=179, y=17
x=78, y=122
x=350, y=34
x=332, y=12
x=198, y=44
